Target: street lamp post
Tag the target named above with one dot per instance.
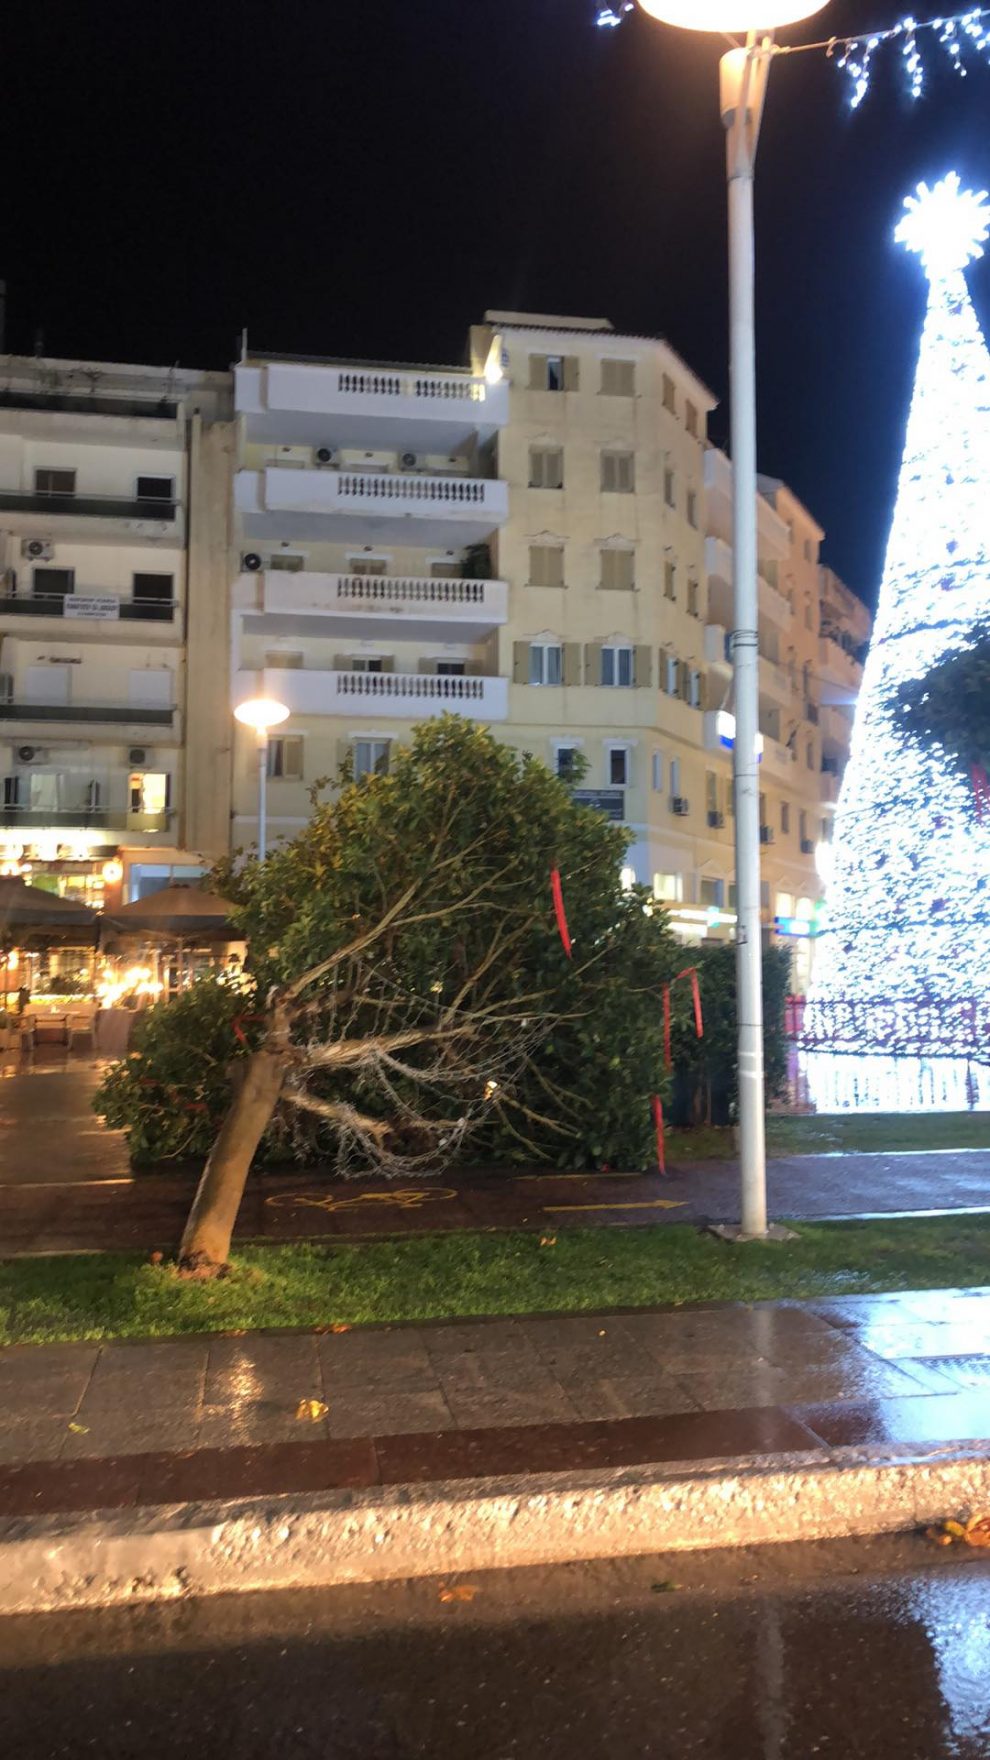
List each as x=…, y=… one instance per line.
x=744, y=73
x=262, y=713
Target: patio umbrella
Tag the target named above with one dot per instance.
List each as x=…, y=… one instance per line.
x=177, y=913
x=28, y=907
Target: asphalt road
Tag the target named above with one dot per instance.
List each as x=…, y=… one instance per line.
x=878, y=1649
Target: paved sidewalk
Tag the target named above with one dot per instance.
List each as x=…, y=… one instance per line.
x=88, y=1426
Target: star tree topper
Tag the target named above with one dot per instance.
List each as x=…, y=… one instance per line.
x=946, y=226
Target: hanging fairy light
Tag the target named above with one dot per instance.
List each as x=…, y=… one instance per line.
x=608, y=17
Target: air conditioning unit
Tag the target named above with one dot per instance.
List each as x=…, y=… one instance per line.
x=409, y=461
x=137, y=755
x=807, y=847
x=251, y=562
x=766, y=834
x=716, y=821
x=325, y=455
x=680, y=806
x=37, y=549
x=31, y=755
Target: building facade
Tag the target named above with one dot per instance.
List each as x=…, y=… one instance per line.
x=111, y=478
x=541, y=541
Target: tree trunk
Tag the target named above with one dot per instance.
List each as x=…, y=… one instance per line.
x=206, y=1242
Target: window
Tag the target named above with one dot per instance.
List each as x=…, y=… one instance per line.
x=618, y=569
x=370, y=758
x=52, y=583
x=546, y=467
x=545, y=663
x=692, y=508
x=692, y=599
x=670, y=581
x=809, y=755
x=12, y=791
x=618, y=378
x=669, y=394
x=803, y=826
x=49, y=482
x=617, y=665
x=711, y=792
x=675, y=777
x=285, y=758
x=618, y=766
x=826, y=830
x=670, y=488
x=367, y=663
x=450, y=668
x=668, y=888
x=286, y=562
x=785, y=817
x=156, y=488
x=807, y=615
x=546, y=565
x=373, y=565
x=711, y=894
x=694, y=688
x=691, y=420
x=567, y=757
x=148, y=791
x=657, y=773
x=158, y=589
x=147, y=878
x=770, y=572
x=444, y=571
x=553, y=372
x=670, y=674
x=618, y=473
x=283, y=659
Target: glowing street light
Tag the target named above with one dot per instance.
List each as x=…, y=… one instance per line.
x=744, y=74
x=730, y=15
x=262, y=714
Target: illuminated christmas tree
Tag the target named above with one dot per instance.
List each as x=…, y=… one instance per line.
x=902, y=979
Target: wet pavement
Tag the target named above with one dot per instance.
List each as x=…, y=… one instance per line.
x=873, y=1651
x=66, y=1185
x=126, y=1424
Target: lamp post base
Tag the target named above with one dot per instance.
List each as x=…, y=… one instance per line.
x=736, y=1236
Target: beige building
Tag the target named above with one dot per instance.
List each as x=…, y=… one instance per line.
x=114, y=516
x=541, y=542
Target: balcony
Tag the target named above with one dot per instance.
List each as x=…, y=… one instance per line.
x=718, y=566
x=365, y=607
x=391, y=695
x=360, y=506
x=836, y=726
x=368, y=407
x=829, y=786
x=842, y=675
x=43, y=507
x=775, y=683
x=87, y=606
x=107, y=714
x=83, y=818
x=780, y=761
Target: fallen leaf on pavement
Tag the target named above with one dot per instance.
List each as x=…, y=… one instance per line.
x=460, y=1592
x=79, y=1429
x=340, y=1327
x=665, y=1588
x=548, y=1240
x=975, y=1532
x=313, y=1409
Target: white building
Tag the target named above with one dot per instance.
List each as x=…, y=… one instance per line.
x=114, y=512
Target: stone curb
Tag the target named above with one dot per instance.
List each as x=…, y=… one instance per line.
x=56, y=1563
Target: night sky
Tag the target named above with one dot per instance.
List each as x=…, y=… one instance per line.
x=364, y=177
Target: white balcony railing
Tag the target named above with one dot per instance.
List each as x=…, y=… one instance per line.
x=422, y=409
x=412, y=696
x=407, y=599
x=468, y=508
x=717, y=645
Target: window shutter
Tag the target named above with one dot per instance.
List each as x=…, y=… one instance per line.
x=388, y=662
x=572, y=663
x=427, y=668
x=520, y=662
x=342, y=662
x=642, y=669
x=537, y=372
x=593, y=662
x=702, y=690
x=572, y=372
x=684, y=682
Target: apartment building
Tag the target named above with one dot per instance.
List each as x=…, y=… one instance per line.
x=114, y=541
x=541, y=541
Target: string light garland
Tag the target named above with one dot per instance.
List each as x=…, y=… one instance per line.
x=909, y=893
x=964, y=34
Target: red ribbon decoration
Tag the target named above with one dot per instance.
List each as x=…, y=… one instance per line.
x=238, y=1025
x=692, y=973
x=559, y=912
x=981, y=790
x=657, y=1106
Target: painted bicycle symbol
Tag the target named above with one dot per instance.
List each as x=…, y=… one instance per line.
x=408, y=1198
